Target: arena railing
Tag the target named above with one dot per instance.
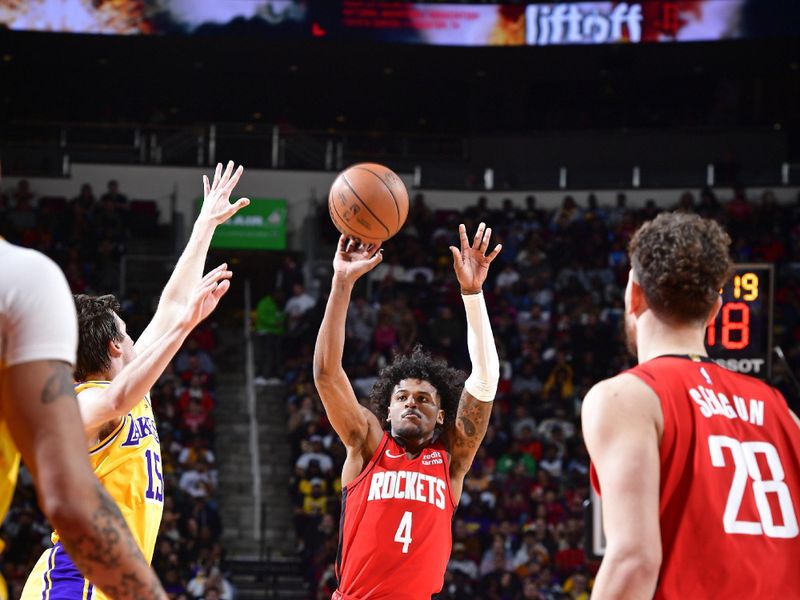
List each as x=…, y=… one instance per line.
x=540, y=160
x=250, y=408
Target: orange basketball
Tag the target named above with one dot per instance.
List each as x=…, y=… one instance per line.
x=368, y=202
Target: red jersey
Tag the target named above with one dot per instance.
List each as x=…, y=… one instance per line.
x=394, y=535
x=730, y=483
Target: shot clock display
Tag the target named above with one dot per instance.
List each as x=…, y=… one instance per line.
x=741, y=336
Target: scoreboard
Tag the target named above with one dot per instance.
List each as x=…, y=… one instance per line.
x=740, y=338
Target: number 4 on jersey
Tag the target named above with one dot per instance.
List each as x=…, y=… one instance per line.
x=403, y=534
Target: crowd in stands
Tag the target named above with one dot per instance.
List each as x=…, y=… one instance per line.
x=555, y=298
x=86, y=236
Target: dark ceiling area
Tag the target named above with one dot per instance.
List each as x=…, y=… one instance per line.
x=317, y=84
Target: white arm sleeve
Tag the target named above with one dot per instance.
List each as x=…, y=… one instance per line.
x=37, y=312
x=482, y=382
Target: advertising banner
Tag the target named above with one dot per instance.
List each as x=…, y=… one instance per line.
x=434, y=24
x=259, y=226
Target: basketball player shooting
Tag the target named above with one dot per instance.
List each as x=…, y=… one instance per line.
x=405, y=465
x=699, y=467
x=114, y=379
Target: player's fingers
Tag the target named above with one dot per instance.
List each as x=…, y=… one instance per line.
x=209, y=283
x=220, y=290
x=350, y=245
x=214, y=273
x=204, y=291
x=456, y=255
x=376, y=258
x=495, y=252
x=220, y=267
x=373, y=249
x=485, y=240
x=226, y=175
x=234, y=178
x=476, y=242
x=217, y=175
x=238, y=205
x=206, y=186
x=462, y=234
x=342, y=243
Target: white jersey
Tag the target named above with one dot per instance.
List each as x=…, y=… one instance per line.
x=37, y=312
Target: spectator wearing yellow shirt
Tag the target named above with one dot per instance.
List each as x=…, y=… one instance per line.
x=316, y=502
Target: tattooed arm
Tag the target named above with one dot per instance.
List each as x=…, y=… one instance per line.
x=38, y=402
x=471, y=265
x=472, y=420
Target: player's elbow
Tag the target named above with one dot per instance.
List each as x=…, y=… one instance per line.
x=117, y=405
x=68, y=494
x=320, y=372
x=69, y=516
x=636, y=566
x=325, y=372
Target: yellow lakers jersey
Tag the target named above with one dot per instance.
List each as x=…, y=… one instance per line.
x=9, y=467
x=128, y=464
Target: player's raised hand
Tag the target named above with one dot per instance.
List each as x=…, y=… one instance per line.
x=353, y=259
x=207, y=294
x=471, y=263
x=217, y=207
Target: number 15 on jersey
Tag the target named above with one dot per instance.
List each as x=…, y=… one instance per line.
x=155, y=480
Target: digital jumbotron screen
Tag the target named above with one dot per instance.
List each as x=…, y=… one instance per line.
x=539, y=24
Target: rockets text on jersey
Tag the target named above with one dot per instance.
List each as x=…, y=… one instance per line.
x=395, y=533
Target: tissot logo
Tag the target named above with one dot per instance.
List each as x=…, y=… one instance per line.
x=743, y=365
x=583, y=23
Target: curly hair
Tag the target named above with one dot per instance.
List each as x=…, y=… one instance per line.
x=681, y=262
x=449, y=382
x=96, y=328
